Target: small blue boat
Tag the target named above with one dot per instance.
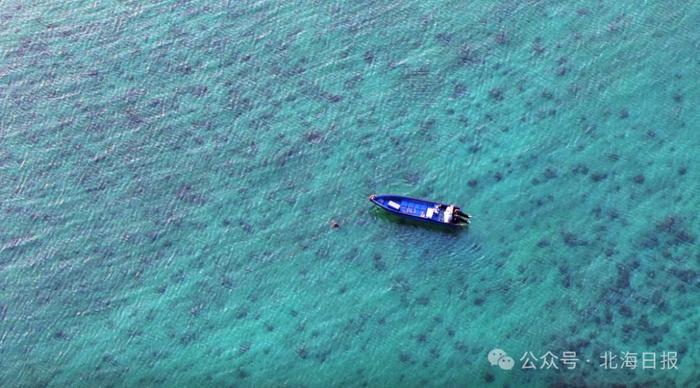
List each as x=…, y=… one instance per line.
x=422, y=210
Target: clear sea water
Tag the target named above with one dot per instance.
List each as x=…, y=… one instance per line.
x=169, y=173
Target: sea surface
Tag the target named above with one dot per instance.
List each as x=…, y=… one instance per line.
x=171, y=172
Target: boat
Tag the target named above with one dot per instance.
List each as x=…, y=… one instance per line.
x=422, y=210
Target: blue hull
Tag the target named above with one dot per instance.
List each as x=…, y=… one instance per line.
x=416, y=209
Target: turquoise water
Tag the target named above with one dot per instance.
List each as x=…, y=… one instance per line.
x=170, y=172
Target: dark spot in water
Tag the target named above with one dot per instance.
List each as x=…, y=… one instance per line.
x=240, y=312
x=244, y=348
x=227, y=282
x=638, y=179
x=423, y=300
x=623, y=277
x=427, y=125
x=353, y=81
x=405, y=357
x=187, y=194
x=468, y=55
x=625, y=311
x=550, y=173
x=199, y=90
x=598, y=176
x=502, y=38
x=497, y=94
x=543, y=243
x=498, y=176
x=562, y=70
x=669, y=224
x=624, y=113
x=582, y=12
x=489, y=377
x=335, y=224
x=627, y=328
x=248, y=228
x=197, y=310
x=682, y=170
x=379, y=264
x=677, y=97
x=422, y=338
x=444, y=38
x=537, y=47
x=580, y=169
x=685, y=275
x=479, y=301
x=653, y=340
x=60, y=334
x=242, y=373
x=472, y=182
x=571, y=240
x=368, y=57
x=314, y=137
x=333, y=98
x=459, y=90
x=608, y=315
x=302, y=352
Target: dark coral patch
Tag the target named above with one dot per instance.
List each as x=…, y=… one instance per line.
x=186, y=193
x=314, y=137
x=598, y=176
x=379, y=264
x=572, y=240
x=580, y=169
x=550, y=173
x=502, y=38
x=468, y=55
x=459, y=90
x=497, y=94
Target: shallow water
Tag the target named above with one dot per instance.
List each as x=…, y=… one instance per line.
x=170, y=171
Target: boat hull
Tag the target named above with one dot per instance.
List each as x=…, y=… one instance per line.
x=414, y=209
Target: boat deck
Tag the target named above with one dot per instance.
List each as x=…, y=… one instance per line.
x=408, y=207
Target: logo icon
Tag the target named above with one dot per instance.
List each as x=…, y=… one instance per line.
x=501, y=358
